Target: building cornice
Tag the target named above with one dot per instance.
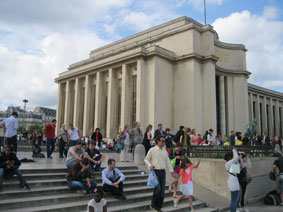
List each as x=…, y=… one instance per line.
x=264, y=91
x=230, y=46
x=227, y=71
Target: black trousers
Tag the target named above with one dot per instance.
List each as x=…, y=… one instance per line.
x=97, y=166
x=114, y=191
x=159, y=191
x=61, y=147
x=12, y=142
x=244, y=188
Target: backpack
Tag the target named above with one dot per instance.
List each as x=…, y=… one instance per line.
x=272, y=198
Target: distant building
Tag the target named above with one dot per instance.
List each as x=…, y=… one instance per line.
x=40, y=116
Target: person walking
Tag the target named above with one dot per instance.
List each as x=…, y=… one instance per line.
x=176, y=155
x=187, y=187
x=63, y=139
x=125, y=139
x=11, y=125
x=233, y=183
x=74, y=135
x=157, y=159
x=49, y=130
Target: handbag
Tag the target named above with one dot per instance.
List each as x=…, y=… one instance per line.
x=235, y=168
x=120, y=146
x=272, y=176
x=152, y=180
x=173, y=163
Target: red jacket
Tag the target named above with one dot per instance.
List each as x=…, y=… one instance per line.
x=185, y=176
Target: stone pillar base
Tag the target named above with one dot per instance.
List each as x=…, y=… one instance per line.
x=139, y=155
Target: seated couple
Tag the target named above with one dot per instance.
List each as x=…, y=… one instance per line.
x=94, y=156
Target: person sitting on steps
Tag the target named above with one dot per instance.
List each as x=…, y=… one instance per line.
x=112, y=180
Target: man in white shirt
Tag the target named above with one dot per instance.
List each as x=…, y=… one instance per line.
x=157, y=159
x=11, y=125
x=74, y=135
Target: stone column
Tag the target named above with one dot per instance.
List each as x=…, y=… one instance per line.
x=222, y=105
x=277, y=123
x=87, y=99
x=59, y=115
x=67, y=104
x=257, y=114
x=77, y=103
x=112, y=105
x=125, y=110
x=264, y=117
x=98, y=101
x=230, y=104
x=141, y=92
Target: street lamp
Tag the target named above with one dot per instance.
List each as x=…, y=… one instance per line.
x=25, y=101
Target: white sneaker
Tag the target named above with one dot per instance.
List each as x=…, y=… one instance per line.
x=175, y=203
x=245, y=210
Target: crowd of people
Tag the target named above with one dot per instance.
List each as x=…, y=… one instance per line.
x=163, y=150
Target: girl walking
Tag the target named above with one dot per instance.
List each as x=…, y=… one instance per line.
x=187, y=187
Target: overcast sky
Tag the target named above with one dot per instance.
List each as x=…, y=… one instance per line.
x=41, y=38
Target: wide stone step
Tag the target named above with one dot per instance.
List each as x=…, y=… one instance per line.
x=47, y=176
x=62, y=182
x=60, y=170
x=135, y=202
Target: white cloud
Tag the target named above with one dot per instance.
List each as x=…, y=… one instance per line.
x=271, y=12
x=262, y=36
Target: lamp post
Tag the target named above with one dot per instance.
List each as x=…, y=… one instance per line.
x=25, y=101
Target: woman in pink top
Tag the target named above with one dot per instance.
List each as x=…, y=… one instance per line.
x=187, y=181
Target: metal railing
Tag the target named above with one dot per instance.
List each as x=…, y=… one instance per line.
x=220, y=151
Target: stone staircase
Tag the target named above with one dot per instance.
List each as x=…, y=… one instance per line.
x=49, y=192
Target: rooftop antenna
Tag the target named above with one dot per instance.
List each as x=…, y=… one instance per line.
x=204, y=8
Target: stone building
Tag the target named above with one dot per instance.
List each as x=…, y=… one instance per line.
x=177, y=73
x=40, y=116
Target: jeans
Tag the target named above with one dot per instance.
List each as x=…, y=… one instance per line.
x=158, y=193
x=12, y=142
x=36, y=149
x=50, y=146
x=82, y=185
x=17, y=172
x=61, y=147
x=73, y=142
x=133, y=150
x=235, y=196
x=70, y=162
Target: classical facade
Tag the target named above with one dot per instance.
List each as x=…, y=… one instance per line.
x=40, y=116
x=177, y=73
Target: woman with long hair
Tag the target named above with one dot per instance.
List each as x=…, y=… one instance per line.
x=147, y=138
x=125, y=139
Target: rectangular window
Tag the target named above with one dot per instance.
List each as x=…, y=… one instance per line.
x=273, y=114
x=254, y=110
x=280, y=121
x=260, y=112
x=134, y=100
x=267, y=118
x=119, y=105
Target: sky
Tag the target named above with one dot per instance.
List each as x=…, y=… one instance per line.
x=39, y=39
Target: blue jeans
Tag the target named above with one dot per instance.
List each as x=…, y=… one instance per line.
x=73, y=142
x=133, y=150
x=36, y=149
x=50, y=146
x=17, y=172
x=235, y=196
x=70, y=162
x=82, y=185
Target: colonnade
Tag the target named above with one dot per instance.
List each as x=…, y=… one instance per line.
x=108, y=99
x=268, y=112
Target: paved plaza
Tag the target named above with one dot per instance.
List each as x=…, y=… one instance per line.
x=203, y=194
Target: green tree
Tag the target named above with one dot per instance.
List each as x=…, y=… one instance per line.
x=35, y=127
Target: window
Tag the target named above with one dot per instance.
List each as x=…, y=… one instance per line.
x=134, y=100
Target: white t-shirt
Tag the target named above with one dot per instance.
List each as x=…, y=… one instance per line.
x=97, y=206
x=74, y=134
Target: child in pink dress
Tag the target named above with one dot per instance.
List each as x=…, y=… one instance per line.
x=187, y=187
